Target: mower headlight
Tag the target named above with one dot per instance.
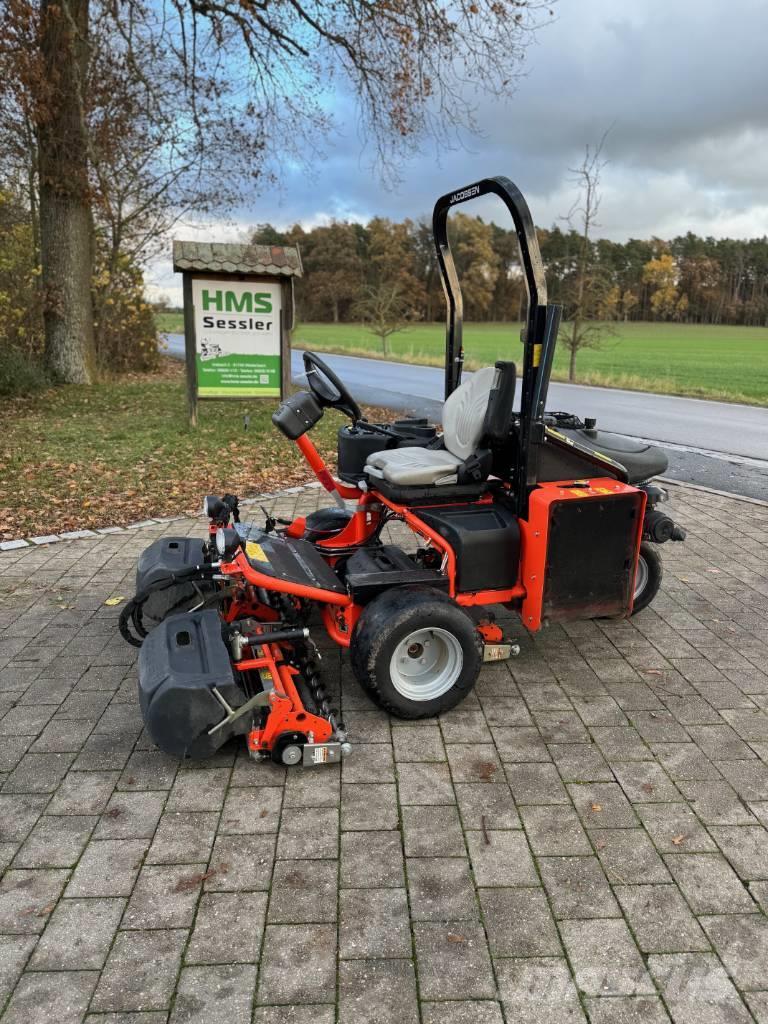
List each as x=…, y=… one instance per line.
x=227, y=543
x=215, y=508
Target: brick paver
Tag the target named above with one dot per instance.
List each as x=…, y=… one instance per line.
x=585, y=839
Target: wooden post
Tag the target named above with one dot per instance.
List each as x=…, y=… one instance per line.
x=190, y=348
x=286, y=326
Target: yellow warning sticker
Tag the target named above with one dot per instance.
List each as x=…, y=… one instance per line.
x=255, y=551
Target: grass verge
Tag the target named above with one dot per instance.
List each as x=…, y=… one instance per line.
x=122, y=451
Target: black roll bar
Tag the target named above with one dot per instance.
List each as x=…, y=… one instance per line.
x=540, y=334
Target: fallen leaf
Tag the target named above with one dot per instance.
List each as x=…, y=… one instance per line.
x=485, y=769
x=597, y=807
x=111, y=602
x=453, y=937
x=677, y=840
x=647, y=787
x=192, y=881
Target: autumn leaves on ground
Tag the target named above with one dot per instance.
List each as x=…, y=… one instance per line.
x=115, y=453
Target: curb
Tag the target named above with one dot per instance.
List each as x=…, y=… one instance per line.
x=711, y=490
x=55, y=538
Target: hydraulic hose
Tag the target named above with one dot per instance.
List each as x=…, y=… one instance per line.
x=131, y=614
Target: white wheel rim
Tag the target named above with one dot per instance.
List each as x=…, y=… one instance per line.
x=641, y=577
x=426, y=664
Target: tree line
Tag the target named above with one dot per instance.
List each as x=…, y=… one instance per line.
x=688, y=279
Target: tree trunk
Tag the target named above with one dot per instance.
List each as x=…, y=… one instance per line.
x=335, y=310
x=572, y=365
x=66, y=226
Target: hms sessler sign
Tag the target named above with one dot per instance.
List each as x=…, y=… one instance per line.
x=237, y=328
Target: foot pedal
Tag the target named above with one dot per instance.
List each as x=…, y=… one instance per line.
x=500, y=652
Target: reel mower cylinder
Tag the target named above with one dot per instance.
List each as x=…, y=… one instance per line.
x=181, y=663
x=161, y=559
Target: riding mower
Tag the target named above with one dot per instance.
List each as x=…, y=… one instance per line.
x=510, y=505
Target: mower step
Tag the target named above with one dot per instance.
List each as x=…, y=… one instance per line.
x=373, y=570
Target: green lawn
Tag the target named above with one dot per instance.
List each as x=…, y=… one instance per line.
x=173, y=323
x=121, y=451
x=729, y=363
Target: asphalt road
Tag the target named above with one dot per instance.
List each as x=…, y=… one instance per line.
x=715, y=444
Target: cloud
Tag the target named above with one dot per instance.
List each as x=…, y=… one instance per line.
x=682, y=85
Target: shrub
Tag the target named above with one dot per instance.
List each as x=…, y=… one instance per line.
x=19, y=373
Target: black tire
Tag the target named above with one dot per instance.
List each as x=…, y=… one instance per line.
x=652, y=575
x=386, y=623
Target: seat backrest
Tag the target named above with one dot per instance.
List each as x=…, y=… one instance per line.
x=464, y=413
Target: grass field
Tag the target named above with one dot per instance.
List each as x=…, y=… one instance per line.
x=729, y=363
x=173, y=323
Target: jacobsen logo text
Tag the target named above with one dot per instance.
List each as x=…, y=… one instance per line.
x=230, y=302
x=466, y=193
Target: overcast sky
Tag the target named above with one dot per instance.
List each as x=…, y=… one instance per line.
x=683, y=85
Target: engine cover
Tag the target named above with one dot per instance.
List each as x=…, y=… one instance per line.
x=180, y=663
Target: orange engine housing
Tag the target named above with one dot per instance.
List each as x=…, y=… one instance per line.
x=580, y=547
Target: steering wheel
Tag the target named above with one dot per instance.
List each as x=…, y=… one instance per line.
x=328, y=389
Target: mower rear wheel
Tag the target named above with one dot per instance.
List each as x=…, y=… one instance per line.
x=648, y=576
x=415, y=652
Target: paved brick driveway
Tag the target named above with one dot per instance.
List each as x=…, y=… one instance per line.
x=585, y=838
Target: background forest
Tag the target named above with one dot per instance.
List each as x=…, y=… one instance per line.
x=687, y=279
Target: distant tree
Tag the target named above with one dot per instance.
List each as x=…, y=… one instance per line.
x=265, y=234
x=477, y=263
x=608, y=303
x=335, y=267
x=385, y=310
x=425, y=267
x=390, y=259
x=666, y=301
x=589, y=284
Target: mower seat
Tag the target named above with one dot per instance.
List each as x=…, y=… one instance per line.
x=463, y=426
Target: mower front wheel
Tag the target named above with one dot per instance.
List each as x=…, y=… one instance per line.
x=647, y=577
x=415, y=652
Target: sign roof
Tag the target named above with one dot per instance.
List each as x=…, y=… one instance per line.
x=237, y=258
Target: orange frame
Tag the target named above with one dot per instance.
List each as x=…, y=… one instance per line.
x=340, y=612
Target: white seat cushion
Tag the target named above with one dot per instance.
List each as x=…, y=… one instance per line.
x=463, y=421
x=414, y=467
x=464, y=413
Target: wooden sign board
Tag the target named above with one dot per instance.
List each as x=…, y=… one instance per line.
x=237, y=330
